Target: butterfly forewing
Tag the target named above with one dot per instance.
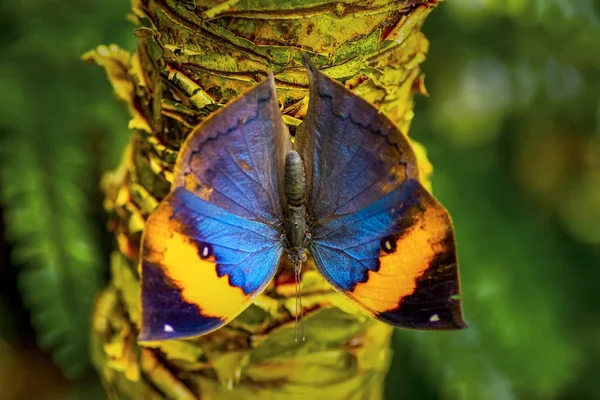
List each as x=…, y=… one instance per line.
x=396, y=258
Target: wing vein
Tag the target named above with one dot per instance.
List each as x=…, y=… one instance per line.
x=198, y=215
x=243, y=171
x=258, y=180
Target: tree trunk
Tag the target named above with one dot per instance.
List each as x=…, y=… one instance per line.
x=193, y=57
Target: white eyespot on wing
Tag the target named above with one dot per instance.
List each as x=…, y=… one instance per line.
x=205, y=250
x=434, y=318
x=168, y=328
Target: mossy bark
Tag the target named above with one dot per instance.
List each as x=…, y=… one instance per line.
x=194, y=56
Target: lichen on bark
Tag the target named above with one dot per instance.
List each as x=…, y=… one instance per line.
x=193, y=57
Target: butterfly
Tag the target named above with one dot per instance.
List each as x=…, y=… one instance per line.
x=347, y=190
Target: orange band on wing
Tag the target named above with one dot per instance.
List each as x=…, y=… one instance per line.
x=404, y=261
x=179, y=258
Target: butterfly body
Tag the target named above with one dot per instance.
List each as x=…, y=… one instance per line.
x=347, y=191
x=296, y=235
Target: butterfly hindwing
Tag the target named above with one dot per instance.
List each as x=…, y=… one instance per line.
x=201, y=266
x=235, y=158
x=353, y=155
x=378, y=236
x=214, y=242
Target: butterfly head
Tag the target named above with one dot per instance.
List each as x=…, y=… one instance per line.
x=297, y=256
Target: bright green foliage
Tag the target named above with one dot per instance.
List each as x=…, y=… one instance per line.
x=54, y=244
x=54, y=121
x=510, y=128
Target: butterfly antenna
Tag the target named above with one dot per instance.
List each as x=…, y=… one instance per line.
x=296, y=313
x=301, y=308
x=297, y=278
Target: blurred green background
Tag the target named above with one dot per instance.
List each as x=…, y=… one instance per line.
x=512, y=128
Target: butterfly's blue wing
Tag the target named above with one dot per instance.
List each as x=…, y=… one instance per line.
x=201, y=266
x=353, y=155
x=377, y=235
x=213, y=243
x=235, y=158
x=395, y=258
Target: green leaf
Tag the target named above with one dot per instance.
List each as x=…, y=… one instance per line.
x=47, y=219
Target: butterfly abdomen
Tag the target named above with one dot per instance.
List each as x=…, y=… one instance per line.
x=295, y=213
x=295, y=179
